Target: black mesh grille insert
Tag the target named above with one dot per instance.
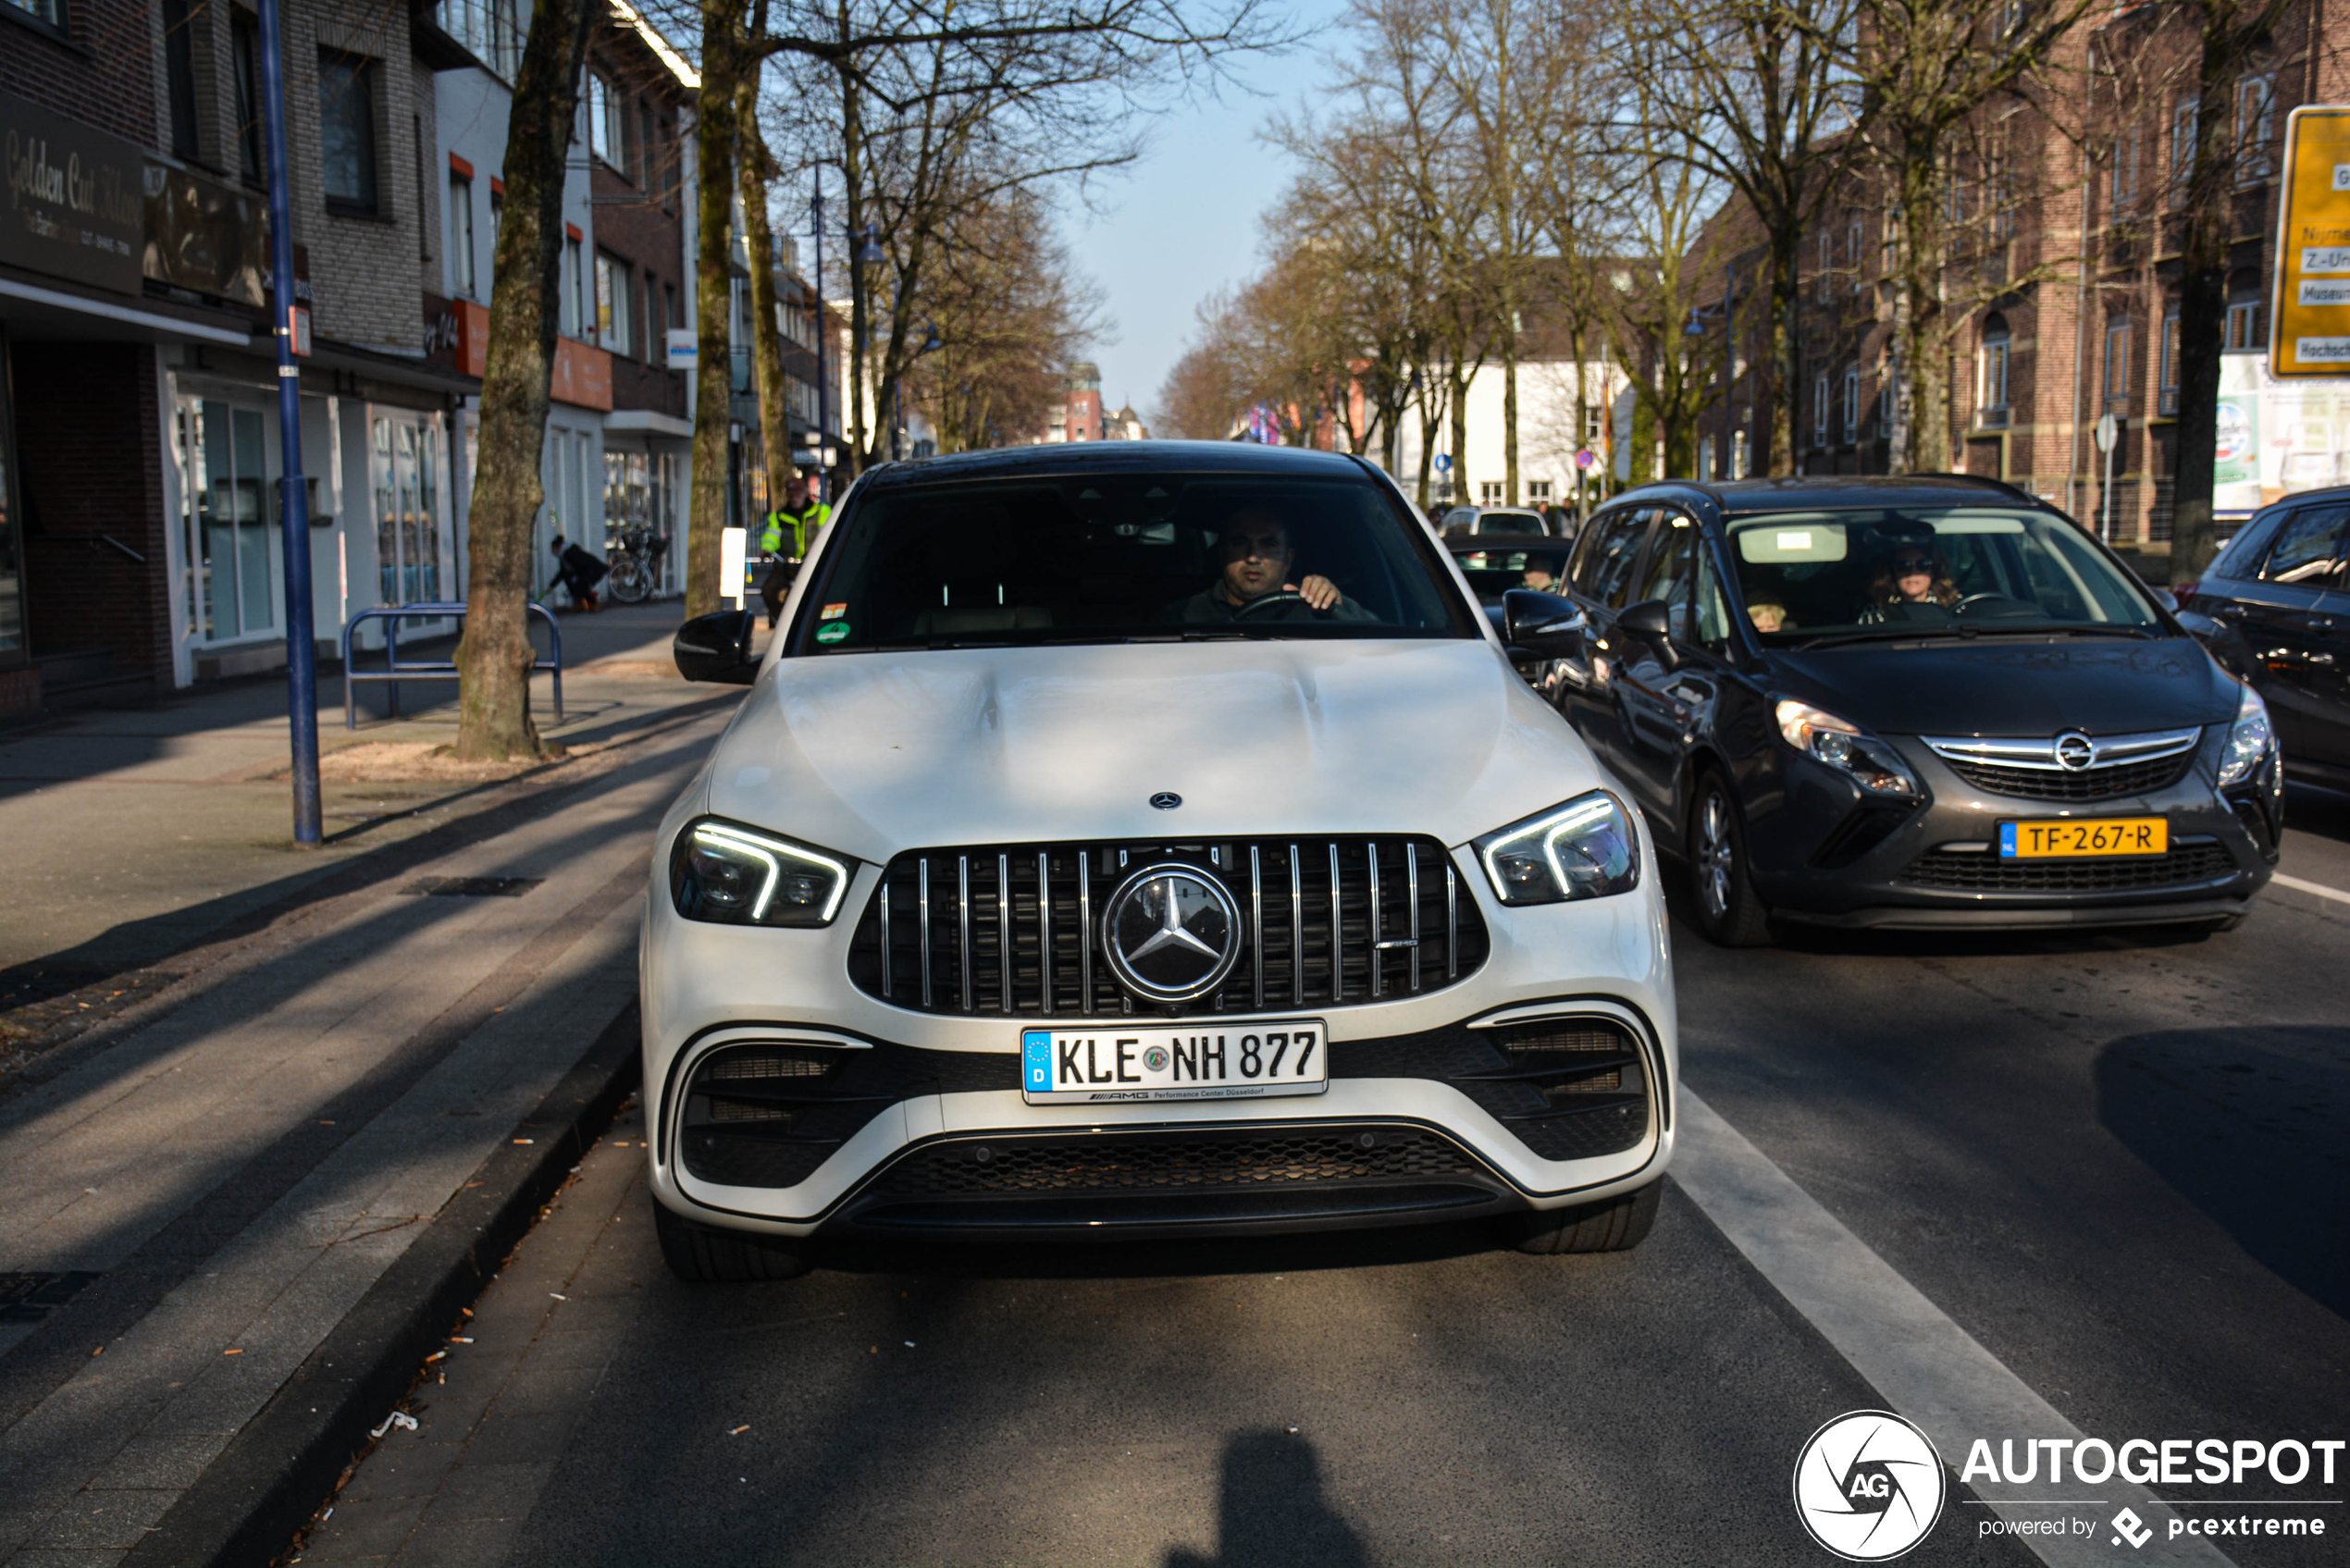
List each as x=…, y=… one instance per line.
x=1015, y=929
x=2089, y=783
x=1178, y=1162
x=766, y=1113
x=1980, y=871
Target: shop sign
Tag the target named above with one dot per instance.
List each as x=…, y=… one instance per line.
x=207, y=237
x=75, y=200
x=2277, y=436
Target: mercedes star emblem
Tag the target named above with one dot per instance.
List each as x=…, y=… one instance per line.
x=1171, y=932
x=1166, y=800
x=2074, y=751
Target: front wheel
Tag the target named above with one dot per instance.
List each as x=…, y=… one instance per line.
x=1729, y=911
x=702, y=1255
x=1617, y=1226
x=629, y=582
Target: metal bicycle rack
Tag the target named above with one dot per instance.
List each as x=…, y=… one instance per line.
x=395, y=671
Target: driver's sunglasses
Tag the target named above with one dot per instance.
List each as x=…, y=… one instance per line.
x=1911, y=565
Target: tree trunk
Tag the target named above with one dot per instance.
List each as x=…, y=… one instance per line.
x=2203, y=310
x=766, y=355
x=1458, y=388
x=1431, y=421
x=1509, y=401
x=1779, y=382
x=860, y=308
x=714, y=308
x=1926, y=383
x=494, y=655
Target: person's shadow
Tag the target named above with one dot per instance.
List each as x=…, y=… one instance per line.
x=1271, y=1512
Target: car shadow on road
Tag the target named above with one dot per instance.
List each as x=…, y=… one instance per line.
x=2247, y=1124
x=2313, y=809
x=1270, y=1510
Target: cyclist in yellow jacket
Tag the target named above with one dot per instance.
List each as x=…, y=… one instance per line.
x=790, y=534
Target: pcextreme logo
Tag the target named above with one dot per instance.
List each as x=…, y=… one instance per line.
x=1869, y=1486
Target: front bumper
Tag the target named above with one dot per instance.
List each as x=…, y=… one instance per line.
x=923, y=1128
x=1827, y=854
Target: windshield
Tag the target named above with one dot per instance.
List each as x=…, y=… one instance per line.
x=1492, y=572
x=1810, y=576
x=1115, y=557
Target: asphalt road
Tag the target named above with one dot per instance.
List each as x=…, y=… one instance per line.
x=2121, y=1161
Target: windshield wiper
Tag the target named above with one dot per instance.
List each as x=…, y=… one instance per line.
x=1882, y=633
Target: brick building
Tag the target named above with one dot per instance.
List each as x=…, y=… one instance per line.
x=2063, y=275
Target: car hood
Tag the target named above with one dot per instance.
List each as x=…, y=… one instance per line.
x=2013, y=687
x=872, y=754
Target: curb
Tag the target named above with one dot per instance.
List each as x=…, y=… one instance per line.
x=265, y=1484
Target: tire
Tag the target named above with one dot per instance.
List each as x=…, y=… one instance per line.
x=701, y=1255
x=1617, y=1226
x=1729, y=910
x=630, y=582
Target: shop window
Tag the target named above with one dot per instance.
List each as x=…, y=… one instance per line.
x=347, y=133
x=408, y=534
x=223, y=460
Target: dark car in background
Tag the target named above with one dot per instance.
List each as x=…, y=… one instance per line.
x=1496, y=564
x=2275, y=608
x=1907, y=702
x=1464, y=521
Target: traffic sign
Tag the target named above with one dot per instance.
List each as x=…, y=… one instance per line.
x=1587, y=460
x=2309, y=331
x=1443, y=463
x=2108, y=433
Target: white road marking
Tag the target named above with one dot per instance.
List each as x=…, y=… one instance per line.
x=2318, y=888
x=1926, y=1367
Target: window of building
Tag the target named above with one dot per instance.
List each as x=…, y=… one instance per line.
x=616, y=288
x=1851, y=403
x=2181, y=148
x=2117, y=367
x=1740, y=461
x=670, y=310
x=575, y=302
x=1819, y=411
x=2122, y=180
x=1489, y=492
x=604, y=137
x=1594, y=425
x=244, y=40
x=1853, y=243
x=1827, y=264
x=53, y=12
x=647, y=175
x=2170, y=380
x=461, y=279
x=489, y=29
x=1537, y=492
x=347, y=133
x=1991, y=383
x=180, y=78
x=2247, y=320
x=2256, y=125
x=1705, y=460
x=1885, y=389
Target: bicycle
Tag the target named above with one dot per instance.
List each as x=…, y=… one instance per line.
x=635, y=552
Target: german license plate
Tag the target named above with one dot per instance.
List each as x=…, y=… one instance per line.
x=2066, y=841
x=1133, y=1061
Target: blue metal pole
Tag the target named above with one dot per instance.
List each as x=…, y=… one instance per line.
x=301, y=649
x=823, y=384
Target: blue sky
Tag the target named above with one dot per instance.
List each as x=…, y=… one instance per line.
x=1184, y=223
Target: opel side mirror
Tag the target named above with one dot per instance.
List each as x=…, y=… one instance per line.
x=1650, y=622
x=717, y=647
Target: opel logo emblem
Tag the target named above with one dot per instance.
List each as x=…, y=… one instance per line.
x=1171, y=933
x=2074, y=751
x=1166, y=800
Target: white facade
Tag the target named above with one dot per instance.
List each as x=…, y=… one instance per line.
x=1547, y=435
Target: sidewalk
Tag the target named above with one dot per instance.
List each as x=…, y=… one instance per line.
x=133, y=834
x=315, y=1069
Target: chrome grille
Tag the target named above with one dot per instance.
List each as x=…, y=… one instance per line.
x=2105, y=767
x=1015, y=929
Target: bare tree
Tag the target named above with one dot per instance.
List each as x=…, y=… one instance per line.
x=494, y=655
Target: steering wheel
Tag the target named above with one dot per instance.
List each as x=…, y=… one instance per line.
x=1287, y=595
x=1995, y=598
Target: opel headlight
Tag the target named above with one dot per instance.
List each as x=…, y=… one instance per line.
x=1846, y=748
x=2250, y=740
x=1583, y=849
x=730, y=874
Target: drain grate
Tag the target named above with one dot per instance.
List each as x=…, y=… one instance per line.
x=27, y=1298
x=472, y=887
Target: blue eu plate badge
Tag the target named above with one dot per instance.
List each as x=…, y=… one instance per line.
x=1036, y=1058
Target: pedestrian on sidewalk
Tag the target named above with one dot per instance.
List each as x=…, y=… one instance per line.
x=578, y=571
x=790, y=532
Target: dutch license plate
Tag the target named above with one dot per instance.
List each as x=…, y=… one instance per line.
x=1133, y=1061
x=2113, y=836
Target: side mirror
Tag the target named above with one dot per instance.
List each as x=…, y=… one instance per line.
x=717, y=647
x=1539, y=625
x=1650, y=622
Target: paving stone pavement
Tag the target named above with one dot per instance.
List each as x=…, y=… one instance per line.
x=519, y=1375
x=237, y=1171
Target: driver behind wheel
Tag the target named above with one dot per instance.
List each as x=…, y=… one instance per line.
x=1912, y=579
x=1255, y=582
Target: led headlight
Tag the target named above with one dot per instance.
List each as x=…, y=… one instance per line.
x=2250, y=740
x=734, y=875
x=1844, y=747
x=1583, y=849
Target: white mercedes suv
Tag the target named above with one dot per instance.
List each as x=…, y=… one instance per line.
x=1145, y=839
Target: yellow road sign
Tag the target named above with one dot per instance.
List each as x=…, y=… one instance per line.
x=2310, y=330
